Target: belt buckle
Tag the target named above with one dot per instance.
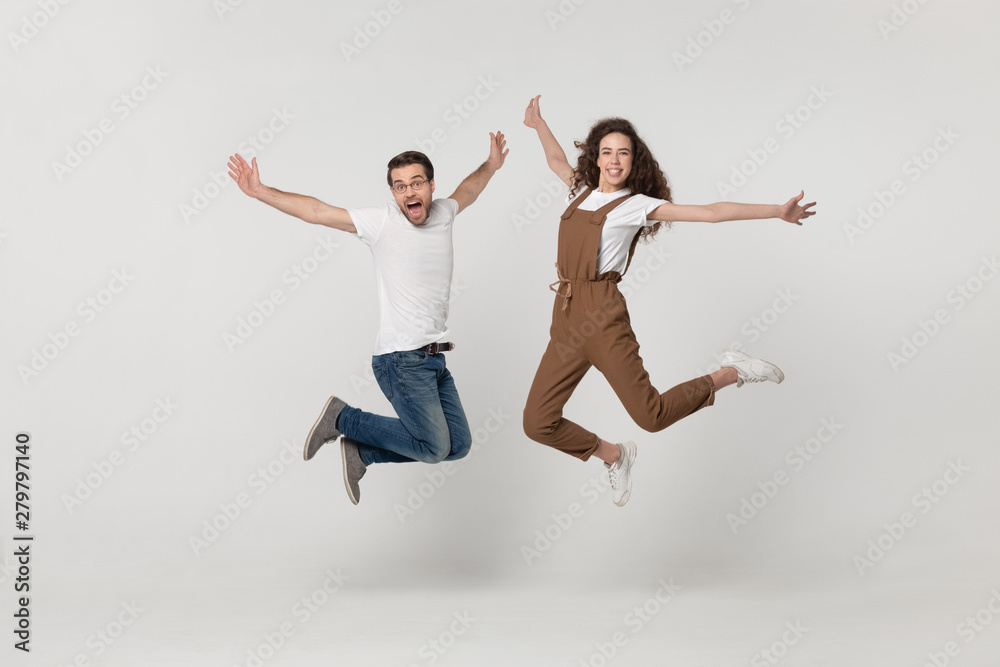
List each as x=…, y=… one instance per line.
x=432, y=349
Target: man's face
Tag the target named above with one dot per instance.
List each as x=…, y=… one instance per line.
x=414, y=203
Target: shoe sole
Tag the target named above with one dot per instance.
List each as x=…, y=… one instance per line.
x=777, y=371
x=305, y=450
x=746, y=357
x=628, y=491
x=343, y=465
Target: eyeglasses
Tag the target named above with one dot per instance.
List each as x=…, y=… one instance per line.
x=416, y=185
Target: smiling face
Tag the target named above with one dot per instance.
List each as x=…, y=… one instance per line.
x=614, y=159
x=415, y=204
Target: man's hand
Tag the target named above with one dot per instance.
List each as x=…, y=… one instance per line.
x=246, y=177
x=469, y=190
x=790, y=211
x=497, y=152
x=303, y=207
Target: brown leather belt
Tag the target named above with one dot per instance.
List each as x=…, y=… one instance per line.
x=437, y=348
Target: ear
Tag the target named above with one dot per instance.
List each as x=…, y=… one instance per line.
x=431, y=181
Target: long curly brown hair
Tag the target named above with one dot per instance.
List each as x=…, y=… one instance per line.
x=645, y=178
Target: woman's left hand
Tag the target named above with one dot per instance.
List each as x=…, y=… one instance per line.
x=790, y=211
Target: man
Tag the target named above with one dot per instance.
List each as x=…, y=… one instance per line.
x=411, y=245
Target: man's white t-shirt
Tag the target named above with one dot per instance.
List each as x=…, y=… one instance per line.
x=621, y=225
x=413, y=269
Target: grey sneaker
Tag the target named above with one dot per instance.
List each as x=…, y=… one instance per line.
x=354, y=468
x=749, y=369
x=620, y=473
x=325, y=428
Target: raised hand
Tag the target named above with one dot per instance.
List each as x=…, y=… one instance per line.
x=497, y=152
x=533, y=114
x=246, y=177
x=790, y=211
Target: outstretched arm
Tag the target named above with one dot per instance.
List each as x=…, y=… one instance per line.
x=469, y=190
x=790, y=211
x=303, y=207
x=555, y=156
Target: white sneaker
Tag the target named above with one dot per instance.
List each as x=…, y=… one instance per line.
x=749, y=369
x=620, y=473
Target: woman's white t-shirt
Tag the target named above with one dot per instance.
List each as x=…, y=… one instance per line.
x=621, y=225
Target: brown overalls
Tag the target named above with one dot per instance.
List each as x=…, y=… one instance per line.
x=591, y=327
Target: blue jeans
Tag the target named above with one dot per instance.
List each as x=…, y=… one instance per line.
x=431, y=426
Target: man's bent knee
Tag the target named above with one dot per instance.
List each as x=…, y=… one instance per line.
x=433, y=450
x=460, y=447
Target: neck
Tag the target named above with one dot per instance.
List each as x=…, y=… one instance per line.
x=607, y=187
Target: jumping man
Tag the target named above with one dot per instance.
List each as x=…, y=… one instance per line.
x=411, y=245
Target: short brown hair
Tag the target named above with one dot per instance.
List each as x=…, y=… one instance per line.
x=407, y=158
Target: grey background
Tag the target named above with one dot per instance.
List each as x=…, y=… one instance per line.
x=129, y=206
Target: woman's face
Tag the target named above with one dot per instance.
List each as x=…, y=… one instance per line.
x=614, y=159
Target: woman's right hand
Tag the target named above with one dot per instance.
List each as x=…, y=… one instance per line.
x=533, y=114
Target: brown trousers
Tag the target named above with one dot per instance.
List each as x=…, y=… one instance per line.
x=591, y=327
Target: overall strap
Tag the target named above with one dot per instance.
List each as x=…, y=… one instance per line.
x=575, y=204
x=631, y=250
x=597, y=217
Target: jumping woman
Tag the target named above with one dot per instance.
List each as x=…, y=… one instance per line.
x=617, y=195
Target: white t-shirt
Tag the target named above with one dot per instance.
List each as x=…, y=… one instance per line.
x=621, y=225
x=413, y=269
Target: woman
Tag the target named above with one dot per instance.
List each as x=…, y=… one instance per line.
x=618, y=195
